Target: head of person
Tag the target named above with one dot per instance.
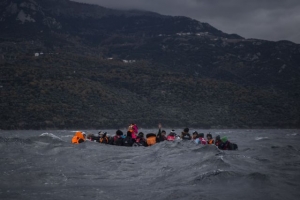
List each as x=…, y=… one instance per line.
x=141, y=134
x=172, y=133
x=128, y=134
x=101, y=133
x=163, y=133
x=218, y=138
x=201, y=135
x=130, y=127
x=186, y=130
x=119, y=132
x=195, y=134
x=208, y=136
x=133, y=128
x=84, y=135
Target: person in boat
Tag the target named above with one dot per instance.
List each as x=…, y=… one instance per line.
x=140, y=140
x=209, y=138
x=151, y=139
x=218, y=140
x=172, y=136
x=195, y=137
x=185, y=135
x=202, y=140
x=227, y=145
x=198, y=138
x=161, y=135
x=117, y=139
x=128, y=141
x=93, y=137
x=79, y=137
x=103, y=137
x=133, y=129
x=158, y=136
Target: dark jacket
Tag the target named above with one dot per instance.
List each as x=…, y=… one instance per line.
x=94, y=138
x=117, y=140
x=185, y=136
x=160, y=137
x=128, y=142
x=227, y=146
x=140, y=141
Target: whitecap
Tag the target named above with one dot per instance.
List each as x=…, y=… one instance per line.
x=294, y=134
x=261, y=138
x=50, y=135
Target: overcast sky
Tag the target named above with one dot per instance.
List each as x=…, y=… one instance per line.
x=262, y=19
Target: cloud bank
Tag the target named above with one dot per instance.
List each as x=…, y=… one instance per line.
x=262, y=19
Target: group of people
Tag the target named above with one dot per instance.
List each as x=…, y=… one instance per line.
x=135, y=138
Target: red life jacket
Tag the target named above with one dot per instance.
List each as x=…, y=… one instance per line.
x=202, y=140
x=171, y=137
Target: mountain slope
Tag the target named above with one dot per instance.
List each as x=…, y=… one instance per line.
x=98, y=67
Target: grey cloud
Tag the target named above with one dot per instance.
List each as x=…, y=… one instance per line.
x=262, y=19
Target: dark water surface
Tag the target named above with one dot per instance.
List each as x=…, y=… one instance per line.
x=45, y=165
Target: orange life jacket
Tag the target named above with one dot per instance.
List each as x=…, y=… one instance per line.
x=103, y=140
x=151, y=140
x=77, y=137
x=211, y=141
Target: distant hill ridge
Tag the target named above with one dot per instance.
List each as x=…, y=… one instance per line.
x=66, y=64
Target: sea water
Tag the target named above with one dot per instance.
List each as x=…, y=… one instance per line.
x=45, y=165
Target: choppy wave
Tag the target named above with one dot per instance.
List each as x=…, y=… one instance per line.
x=50, y=135
x=47, y=166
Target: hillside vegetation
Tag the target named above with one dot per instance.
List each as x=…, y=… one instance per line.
x=70, y=65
